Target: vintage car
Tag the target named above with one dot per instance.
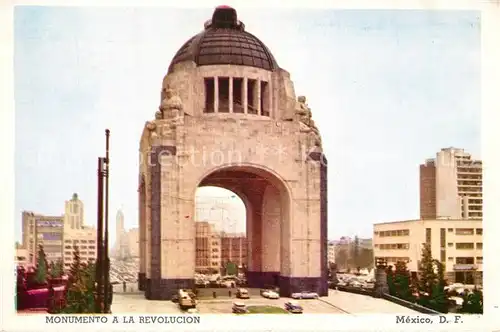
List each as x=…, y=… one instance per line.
x=242, y=293
x=185, y=301
x=293, y=307
x=239, y=308
x=269, y=294
x=305, y=295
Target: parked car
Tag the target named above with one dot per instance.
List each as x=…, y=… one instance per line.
x=269, y=294
x=185, y=301
x=293, y=307
x=305, y=295
x=192, y=311
x=242, y=293
x=239, y=308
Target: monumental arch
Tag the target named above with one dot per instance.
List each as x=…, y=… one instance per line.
x=229, y=118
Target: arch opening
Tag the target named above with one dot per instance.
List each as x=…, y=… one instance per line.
x=266, y=201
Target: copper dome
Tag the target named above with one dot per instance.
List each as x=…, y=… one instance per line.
x=225, y=42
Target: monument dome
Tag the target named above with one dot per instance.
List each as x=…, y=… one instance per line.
x=224, y=41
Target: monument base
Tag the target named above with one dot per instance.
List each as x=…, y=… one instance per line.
x=290, y=285
x=165, y=289
x=141, y=278
x=257, y=279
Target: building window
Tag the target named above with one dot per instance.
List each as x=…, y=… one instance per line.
x=465, y=260
x=450, y=229
x=428, y=235
x=209, y=94
x=479, y=245
x=479, y=260
x=264, y=98
x=450, y=244
x=479, y=231
x=450, y=259
x=223, y=94
x=252, y=102
x=464, y=231
x=238, y=95
x=465, y=245
x=443, y=238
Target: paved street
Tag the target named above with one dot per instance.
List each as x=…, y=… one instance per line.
x=335, y=302
x=224, y=306
x=136, y=303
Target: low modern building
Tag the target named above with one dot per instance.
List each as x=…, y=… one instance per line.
x=457, y=243
x=41, y=230
x=234, y=248
x=85, y=240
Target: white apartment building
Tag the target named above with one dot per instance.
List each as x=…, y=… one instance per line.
x=451, y=186
x=457, y=243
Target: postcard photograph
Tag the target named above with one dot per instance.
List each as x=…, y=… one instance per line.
x=242, y=161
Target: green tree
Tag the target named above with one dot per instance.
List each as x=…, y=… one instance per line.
x=472, y=302
x=52, y=269
x=59, y=268
x=390, y=279
x=439, y=299
x=355, y=253
x=41, y=267
x=431, y=282
x=402, y=282
x=428, y=277
x=81, y=287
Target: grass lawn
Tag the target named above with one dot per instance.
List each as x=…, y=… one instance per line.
x=265, y=309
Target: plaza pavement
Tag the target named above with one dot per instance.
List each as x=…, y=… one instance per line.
x=335, y=302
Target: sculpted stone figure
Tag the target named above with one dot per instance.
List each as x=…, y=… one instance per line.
x=151, y=126
x=305, y=117
x=171, y=106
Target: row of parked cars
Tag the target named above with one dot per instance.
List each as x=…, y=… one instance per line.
x=292, y=306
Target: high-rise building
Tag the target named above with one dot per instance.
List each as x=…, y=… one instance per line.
x=122, y=246
x=40, y=230
x=451, y=186
x=76, y=234
x=73, y=213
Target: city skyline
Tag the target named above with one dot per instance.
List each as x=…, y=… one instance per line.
x=425, y=74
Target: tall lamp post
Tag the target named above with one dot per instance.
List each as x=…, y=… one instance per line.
x=102, y=268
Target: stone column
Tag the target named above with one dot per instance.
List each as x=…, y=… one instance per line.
x=168, y=274
x=271, y=234
x=259, y=97
x=216, y=94
x=245, y=95
x=230, y=95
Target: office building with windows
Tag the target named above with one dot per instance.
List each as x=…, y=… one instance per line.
x=457, y=243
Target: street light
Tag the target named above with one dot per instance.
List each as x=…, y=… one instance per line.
x=102, y=268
